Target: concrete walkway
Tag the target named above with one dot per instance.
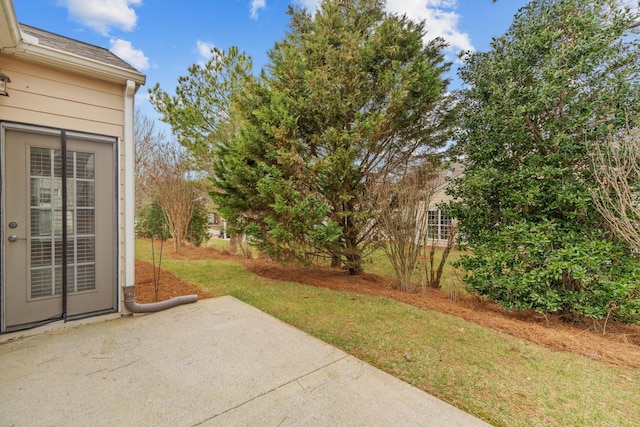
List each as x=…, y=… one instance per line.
x=218, y=362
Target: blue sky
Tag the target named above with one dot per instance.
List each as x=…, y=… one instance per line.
x=163, y=38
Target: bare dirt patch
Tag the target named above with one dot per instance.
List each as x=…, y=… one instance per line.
x=618, y=345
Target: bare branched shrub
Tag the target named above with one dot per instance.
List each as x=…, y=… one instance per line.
x=433, y=270
x=174, y=190
x=617, y=197
x=163, y=176
x=148, y=137
x=402, y=205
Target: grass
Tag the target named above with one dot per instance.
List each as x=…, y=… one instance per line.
x=378, y=263
x=501, y=379
x=217, y=242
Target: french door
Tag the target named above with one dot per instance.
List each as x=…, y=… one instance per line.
x=59, y=225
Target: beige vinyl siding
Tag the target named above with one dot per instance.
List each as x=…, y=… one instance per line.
x=438, y=197
x=49, y=97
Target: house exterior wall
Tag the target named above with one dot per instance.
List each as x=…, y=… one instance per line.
x=47, y=97
x=439, y=221
x=53, y=98
x=440, y=196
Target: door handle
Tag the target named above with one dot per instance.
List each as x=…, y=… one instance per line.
x=14, y=238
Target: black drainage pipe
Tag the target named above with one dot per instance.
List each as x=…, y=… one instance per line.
x=131, y=304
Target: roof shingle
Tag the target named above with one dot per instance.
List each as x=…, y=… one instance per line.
x=76, y=47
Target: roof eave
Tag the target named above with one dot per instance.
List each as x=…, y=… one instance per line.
x=79, y=64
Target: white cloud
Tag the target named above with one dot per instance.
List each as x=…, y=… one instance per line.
x=310, y=5
x=142, y=96
x=632, y=4
x=440, y=16
x=126, y=51
x=102, y=15
x=256, y=5
x=204, y=51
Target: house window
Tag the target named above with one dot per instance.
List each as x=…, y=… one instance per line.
x=438, y=224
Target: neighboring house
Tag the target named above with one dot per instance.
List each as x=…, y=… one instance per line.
x=439, y=222
x=67, y=173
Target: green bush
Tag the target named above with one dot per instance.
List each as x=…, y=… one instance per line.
x=152, y=223
x=540, y=267
x=564, y=75
x=198, y=231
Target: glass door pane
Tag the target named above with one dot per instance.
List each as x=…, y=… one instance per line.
x=46, y=221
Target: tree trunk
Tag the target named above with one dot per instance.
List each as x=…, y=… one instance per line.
x=354, y=259
x=351, y=251
x=335, y=261
x=355, y=264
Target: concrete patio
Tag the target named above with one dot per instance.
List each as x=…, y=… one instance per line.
x=218, y=362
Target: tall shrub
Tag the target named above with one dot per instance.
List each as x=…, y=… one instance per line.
x=553, y=83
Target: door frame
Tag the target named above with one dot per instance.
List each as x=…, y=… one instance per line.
x=77, y=135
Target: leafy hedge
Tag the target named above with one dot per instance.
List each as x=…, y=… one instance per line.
x=151, y=222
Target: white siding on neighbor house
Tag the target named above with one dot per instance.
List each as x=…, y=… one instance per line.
x=438, y=197
x=48, y=97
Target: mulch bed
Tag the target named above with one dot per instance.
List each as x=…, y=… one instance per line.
x=169, y=286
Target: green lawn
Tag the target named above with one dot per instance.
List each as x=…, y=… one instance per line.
x=379, y=264
x=501, y=379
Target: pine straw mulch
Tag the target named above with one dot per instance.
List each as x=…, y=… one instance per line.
x=618, y=345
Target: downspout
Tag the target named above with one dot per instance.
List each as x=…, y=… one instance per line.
x=131, y=304
x=129, y=217
x=129, y=160
x=10, y=34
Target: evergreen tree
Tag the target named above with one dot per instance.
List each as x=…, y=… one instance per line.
x=562, y=76
x=349, y=92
